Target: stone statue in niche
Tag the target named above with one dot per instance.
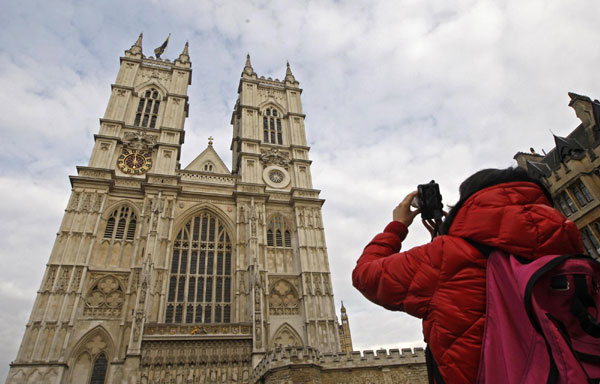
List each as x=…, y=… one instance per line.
x=98, y=203
x=64, y=280
x=253, y=217
x=157, y=205
x=309, y=218
x=75, y=201
x=87, y=202
x=242, y=214
x=318, y=220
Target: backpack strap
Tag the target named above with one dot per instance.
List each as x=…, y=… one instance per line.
x=581, y=302
x=433, y=373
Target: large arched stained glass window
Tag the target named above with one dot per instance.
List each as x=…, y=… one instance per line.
x=200, y=279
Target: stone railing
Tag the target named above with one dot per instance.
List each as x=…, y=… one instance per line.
x=194, y=177
x=199, y=330
x=287, y=356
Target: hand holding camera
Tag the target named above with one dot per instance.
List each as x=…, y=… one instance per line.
x=428, y=202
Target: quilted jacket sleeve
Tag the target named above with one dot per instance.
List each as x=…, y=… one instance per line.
x=401, y=281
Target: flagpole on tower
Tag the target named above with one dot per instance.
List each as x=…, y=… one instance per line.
x=167, y=47
x=160, y=50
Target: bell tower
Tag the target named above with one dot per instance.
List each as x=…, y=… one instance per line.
x=104, y=278
x=142, y=129
x=286, y=252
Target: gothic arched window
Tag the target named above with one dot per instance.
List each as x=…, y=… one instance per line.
x=272, y=126
x=278, y=234
x=99, y=370
x=124, y=221
x=200, y=278
x=147, y=111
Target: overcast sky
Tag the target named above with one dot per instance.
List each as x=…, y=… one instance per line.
x=396, y=93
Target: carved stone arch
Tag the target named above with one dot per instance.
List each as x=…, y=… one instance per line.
x=35, y=377
x=127, y=229
x=283, y=298
x=50, y=376
x=272, y=103
x=143, y=87
x=188, y=214
x=18, y=377
x=118, y=204
x=81, y=360
x=286, y=336
x=92, y=341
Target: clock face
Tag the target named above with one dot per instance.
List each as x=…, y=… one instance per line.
x=134, y=162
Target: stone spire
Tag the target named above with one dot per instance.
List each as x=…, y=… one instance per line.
x=137, y=47
x=184, y=57
x=248, y=70
x=289, y=76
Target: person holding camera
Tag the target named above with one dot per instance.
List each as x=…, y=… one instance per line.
x=444, y=282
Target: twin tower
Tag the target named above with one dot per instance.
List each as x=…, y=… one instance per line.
x=163, y=274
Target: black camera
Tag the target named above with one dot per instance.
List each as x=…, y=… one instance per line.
x=429, y=200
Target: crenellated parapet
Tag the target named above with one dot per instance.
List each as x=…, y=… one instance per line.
x=304, y=357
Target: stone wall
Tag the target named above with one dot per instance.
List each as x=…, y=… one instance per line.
x=305, y=365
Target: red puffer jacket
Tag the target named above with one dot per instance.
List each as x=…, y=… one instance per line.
x=443, y=282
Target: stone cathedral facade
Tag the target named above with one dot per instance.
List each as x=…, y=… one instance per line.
x=197, y=275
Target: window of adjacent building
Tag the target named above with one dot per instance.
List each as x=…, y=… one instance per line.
x=590, y=242
x=147, y=110
x=272, y=126
x=121, y=224
x=200, y=278
x=566, y=204
x=581, y=193
x=278, y=235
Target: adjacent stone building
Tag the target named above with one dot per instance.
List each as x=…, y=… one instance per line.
x=197, y=275
x=571, y=171
x=344, y=329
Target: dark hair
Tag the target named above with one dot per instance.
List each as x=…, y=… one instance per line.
x=487, y=178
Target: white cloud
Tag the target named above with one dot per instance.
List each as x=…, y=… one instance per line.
x=396, y=93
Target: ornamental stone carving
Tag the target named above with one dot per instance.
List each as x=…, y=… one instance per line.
x=286, y=336
x=105, y=298
x=140, y=141
x=283, y=299
x=275, y=157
